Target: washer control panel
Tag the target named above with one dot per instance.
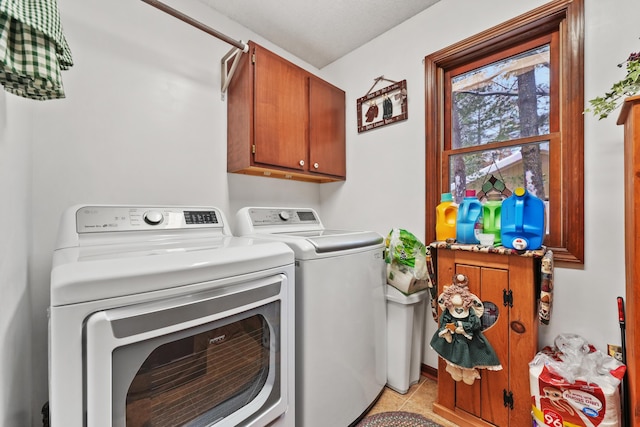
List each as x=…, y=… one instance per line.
x=284, y=216
x=99, y=219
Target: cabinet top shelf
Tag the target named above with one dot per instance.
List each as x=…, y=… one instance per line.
x=499, y=250
x=626, y=107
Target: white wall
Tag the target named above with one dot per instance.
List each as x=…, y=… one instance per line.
x=15, y=313
x=143, y=122
x=388, y=164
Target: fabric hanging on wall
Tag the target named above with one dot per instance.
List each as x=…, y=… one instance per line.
x=33, y=50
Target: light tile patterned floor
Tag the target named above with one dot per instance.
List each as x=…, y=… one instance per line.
x=418, y=399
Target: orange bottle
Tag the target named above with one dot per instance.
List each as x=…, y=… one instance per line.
x=446, y=213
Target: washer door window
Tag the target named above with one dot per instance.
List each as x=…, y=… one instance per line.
x=199, y=379
x=221, y=368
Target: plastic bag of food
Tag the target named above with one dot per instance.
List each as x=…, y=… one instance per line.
x=406, y=258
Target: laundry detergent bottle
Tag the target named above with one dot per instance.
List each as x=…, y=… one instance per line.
x=522, y=225
x=446, y=213
x=469, y=219
x=491, y=217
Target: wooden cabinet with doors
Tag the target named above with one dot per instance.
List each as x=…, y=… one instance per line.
x=630, y=118
x=283, y=121
x=510, y=281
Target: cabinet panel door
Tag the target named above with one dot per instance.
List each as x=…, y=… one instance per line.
x=281, y=112
x=523, y=333
x=494, y=283
x=468, y=397
x=484, y=398
x=327, y=151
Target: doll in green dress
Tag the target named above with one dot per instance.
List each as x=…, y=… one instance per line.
x=459, y=339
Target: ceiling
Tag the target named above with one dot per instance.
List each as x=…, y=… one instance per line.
x=318, y=32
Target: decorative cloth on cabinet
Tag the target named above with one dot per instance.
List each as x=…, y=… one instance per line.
x=537, y=253
x=546, y=288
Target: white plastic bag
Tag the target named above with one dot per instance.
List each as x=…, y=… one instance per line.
x=575, y=384
x=406, y=259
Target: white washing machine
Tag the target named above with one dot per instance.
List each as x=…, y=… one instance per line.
x=340, y=312
x=159, y=316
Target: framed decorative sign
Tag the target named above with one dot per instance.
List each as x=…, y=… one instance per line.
x=382, y=107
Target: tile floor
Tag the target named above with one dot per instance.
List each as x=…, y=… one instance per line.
x=418, y=399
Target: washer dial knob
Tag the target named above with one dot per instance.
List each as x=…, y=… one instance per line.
x=153, y=217
x=284, y=215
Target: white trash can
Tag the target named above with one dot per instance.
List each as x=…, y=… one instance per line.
x=405, y=330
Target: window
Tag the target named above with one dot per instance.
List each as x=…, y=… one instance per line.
x=508, y=103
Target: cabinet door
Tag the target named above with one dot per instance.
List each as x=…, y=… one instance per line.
x=484, y=398
x=493, y=385
x=523, y=334
x=280, y=115
x=327, y=128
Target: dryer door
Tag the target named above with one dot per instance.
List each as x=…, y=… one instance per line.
x=198, y=360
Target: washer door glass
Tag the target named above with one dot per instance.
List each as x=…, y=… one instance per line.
x=201, y=378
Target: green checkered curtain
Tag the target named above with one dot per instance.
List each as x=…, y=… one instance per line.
x=33, y=50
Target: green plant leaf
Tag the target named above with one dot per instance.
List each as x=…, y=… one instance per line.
x=603, y=106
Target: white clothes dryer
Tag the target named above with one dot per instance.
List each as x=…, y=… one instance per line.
x=340, y=312
x=159, y=316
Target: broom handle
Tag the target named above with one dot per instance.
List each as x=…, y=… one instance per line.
x=625, y=384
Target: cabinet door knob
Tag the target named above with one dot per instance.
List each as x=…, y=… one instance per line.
x=315, y=165
x=301, y=162
x=518, y=327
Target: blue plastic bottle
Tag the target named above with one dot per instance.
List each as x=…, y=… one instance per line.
x=522, y=223
x=469, y=213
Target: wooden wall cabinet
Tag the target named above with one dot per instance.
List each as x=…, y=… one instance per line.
x=630, y=118
x=499, y=398
x=283, y=121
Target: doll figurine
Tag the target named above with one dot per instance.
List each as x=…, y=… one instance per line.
x=459, y=339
